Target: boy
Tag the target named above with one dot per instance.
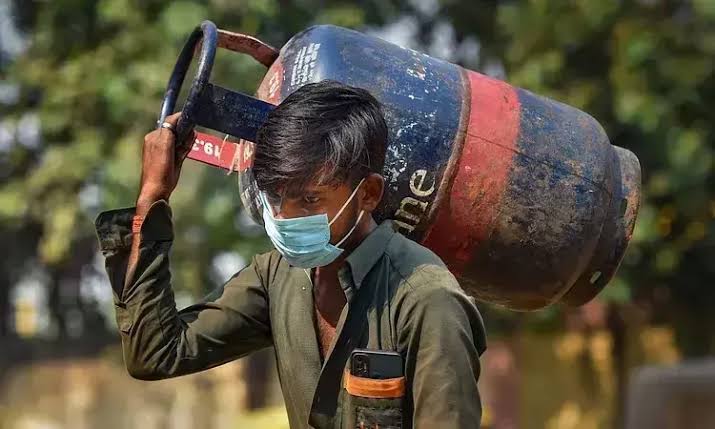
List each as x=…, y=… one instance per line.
x=336, y=282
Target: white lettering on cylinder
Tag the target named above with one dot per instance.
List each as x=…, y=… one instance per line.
x=417, y=182
x=411, y=210
x=412, y=202
x=401, y=226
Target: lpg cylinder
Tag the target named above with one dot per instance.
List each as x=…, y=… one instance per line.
x=523, y=197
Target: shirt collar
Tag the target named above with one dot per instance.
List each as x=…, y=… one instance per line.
x=369, y=251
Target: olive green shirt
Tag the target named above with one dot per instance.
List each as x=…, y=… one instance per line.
x=400, y=297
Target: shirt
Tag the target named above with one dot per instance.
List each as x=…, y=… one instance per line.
x=408, y=302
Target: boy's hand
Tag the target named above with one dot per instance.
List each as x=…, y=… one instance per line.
x=161, y=165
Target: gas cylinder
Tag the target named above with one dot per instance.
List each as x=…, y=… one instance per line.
x=523, y=197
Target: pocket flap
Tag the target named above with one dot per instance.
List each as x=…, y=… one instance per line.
x=372, y=388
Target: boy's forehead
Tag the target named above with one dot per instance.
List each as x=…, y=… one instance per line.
x=312, y=188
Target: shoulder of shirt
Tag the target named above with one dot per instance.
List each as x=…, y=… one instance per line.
x=418, y=266
x=271, y=258
x=426, y=282
x=267, y=266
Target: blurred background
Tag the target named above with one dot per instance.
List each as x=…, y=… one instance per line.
x=81, y=82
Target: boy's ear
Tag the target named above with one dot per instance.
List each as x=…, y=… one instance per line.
x=373, y=188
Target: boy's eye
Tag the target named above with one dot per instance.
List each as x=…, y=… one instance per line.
x=311, y=199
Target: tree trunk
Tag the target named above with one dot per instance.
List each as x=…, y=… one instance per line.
x=617, y=328
x=5, y=307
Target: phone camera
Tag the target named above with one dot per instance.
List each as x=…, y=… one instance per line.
x=361, y=365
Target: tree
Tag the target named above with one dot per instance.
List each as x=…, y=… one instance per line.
x=91, y=81
x=95, y=71
x=92, y=76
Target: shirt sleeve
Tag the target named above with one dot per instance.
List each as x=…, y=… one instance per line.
x=441, y=334
x=157, y=340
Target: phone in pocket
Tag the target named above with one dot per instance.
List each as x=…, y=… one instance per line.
x=375, y=364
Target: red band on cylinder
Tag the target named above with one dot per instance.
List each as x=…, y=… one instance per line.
x=272, y=84
x=466, y=218
x=213, y=150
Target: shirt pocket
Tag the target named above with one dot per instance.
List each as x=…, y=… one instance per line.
x=371, y=403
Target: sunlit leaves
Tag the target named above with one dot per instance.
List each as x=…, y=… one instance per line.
x=118, y=12
x=59, y=225
x=180, y=17
x=13, y=204
x=351, y=16
x=643, y=69
x=705, y=8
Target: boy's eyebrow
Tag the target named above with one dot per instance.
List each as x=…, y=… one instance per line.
x=302, y=193
x=294, y=193
x=320, y=189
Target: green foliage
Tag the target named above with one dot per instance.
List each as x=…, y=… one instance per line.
x=101, y=67
x=643, y=69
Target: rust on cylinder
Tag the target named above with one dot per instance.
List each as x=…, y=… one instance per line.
x=262, y=52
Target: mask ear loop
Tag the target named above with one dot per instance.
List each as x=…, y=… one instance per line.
x=357, y=222
x=346, y=202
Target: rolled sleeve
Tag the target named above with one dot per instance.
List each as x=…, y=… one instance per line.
x=114, y=227
x=114, y=233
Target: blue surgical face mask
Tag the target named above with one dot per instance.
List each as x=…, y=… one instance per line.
x=305, y=241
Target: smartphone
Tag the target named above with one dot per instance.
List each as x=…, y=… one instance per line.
x=375, y=364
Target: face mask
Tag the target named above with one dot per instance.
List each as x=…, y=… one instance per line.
x=305, y=241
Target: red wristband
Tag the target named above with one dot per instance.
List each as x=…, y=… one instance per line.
x=137, y=224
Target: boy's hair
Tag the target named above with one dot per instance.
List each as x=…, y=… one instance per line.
x=324, y=132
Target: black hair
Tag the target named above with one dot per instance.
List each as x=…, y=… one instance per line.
x=325, y=132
